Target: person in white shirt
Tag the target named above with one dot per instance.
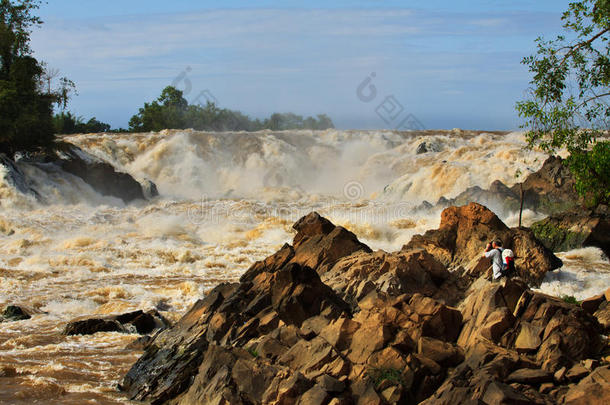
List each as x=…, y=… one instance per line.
x=493, y=251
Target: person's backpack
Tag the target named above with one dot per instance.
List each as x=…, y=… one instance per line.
x=508, y=262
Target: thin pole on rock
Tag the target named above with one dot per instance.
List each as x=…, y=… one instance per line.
x=521, y=208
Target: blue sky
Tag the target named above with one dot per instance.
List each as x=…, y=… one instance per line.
x=447, y=63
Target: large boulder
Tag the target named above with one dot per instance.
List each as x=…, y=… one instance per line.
x=463, y=233
x=575, y=229
x=100, y=175
x=132, y=322
x=410, y=271
x=16, y=313
x=319, y=244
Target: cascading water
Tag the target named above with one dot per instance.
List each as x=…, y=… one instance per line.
x=226, y=200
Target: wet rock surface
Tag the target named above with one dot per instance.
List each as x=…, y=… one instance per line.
x=71, y=159
x=575, y=229
x=100, y=175
x=132, y=322
x=327, y=321
x=16, y=313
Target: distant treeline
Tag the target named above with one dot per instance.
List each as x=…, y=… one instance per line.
x=172, y=111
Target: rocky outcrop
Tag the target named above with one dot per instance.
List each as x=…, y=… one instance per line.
x=553, y=333
x=319, y=244
x=132, y=322
x=520, y=347
x=575, y=229
x=100, y=175
x=550, y=190
x=463, y=233
x=498, y=195
x=281, y=335
x=366, y=327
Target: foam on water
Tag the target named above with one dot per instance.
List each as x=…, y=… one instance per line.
x=227, y=200
x=585, y=273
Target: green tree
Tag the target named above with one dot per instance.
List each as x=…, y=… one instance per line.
x=167, y=112
x=25, y=108
x=68, y=123
x=569, y=102
x=172, y=111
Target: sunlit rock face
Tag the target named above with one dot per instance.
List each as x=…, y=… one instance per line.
x=226, y=201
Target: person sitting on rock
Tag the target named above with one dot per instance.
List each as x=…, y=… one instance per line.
x=493, y=251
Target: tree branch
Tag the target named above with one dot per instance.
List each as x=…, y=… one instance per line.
x=580, y=45
x=593, y=98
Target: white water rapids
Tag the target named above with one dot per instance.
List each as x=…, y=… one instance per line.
x=226, y=200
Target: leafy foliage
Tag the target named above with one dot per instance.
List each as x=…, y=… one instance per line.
x=67, y=123
x=378, y=375
x=25, y=107
x=569, y=103
x=570, y=299
x=172, y=111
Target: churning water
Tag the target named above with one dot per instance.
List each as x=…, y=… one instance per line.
x=226, y=200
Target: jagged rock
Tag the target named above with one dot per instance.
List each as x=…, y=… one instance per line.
x=149, y=189
x=16, y=313
x=498, y=393
x=591, y=304
x=481, y=311
x=603, y=316
x=591, y=390
x=463, y=234
x=317, y=338
x=319, y=244
x=556, y=333
x=233, y=315
x=94, y=325
x=576, y=373
x=100, y=175
x=528, y=338
x=550, y=189
x=445, y=354
x=574, y=229
x=355, y=276
x=426, y=147
x=530, y=376
x=137, y=321
x=498, y=195
x=485, y=364
x=330, y=384
x=8, y=372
